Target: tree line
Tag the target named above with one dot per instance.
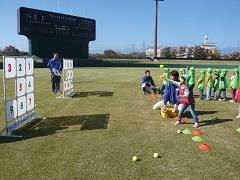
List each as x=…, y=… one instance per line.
x=12, y=51
x=195, y=52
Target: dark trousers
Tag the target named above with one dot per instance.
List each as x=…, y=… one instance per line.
x=192, y=109
x=162, y=89
x=233, y=93
x=55, y=83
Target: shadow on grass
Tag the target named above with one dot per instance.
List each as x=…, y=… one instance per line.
x=93, y=93
x=213, y=122
x=189, y=115
x=51, y=125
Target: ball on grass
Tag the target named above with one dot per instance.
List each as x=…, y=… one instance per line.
x=155, y=155
x=135, y=158
x=179, y=131
x=161, y=66
x=44, y=118
x=35, y=105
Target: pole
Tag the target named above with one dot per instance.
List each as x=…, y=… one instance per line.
x=5, y=97
x=156, y=29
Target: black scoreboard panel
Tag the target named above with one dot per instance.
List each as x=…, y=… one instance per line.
x=32, y=22
x=50, y=32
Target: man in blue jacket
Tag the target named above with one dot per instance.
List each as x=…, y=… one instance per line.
x=170, y=96
x=55, y=66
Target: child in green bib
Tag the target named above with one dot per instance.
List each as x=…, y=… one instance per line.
x=222, y=85
x=209, y=84
x=201, y=84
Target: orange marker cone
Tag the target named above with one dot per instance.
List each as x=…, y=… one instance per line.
x=204, y=147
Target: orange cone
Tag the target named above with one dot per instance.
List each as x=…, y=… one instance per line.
x=197, y=132
x=204, y=147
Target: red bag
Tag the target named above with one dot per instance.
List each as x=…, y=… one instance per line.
x=237, y=96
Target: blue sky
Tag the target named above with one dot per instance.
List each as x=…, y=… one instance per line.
x=125, y=22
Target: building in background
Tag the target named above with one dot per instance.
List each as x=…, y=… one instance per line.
x=150, y=53
x=204, y=50
x=208, y=46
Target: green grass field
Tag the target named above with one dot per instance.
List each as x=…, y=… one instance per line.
x=96, y=134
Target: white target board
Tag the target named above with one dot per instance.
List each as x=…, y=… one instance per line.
x=9, y=68
x=21, y=87
x=20, y=67
x=21, y=103
x=68, y=78
x=30, y=102
x=29, y=84
x=19, y=109
x=70, y=74
x=29, y=66
x=11, y=110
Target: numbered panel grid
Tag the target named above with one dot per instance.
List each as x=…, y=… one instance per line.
x=19, y=70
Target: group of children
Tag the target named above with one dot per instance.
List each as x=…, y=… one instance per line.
x=218, y=84
x=178, y=92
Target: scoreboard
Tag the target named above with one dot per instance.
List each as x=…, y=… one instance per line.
x=43, y=23
x=50, y=32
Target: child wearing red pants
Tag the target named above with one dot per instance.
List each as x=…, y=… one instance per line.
x=237, y=99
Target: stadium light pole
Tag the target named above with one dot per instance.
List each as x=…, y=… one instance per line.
x=156, y=28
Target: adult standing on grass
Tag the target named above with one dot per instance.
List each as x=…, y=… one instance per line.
x=170, y=93
x=55, y=66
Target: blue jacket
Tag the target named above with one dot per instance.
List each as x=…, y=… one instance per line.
x=148, y=79
x=55, y=65
x=170, y=94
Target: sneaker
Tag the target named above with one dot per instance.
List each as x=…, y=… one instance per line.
x=177, y=123
x=196, y=125
x=207, y=99
x=58, y=93
x=231, y=100
x=223, y=99
x=238, y=116
x=220, y=99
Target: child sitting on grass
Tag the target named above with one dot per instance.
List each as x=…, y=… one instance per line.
x=185, y=99
x=148, y=84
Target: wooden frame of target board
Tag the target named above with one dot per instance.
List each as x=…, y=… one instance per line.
x=18, y=82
